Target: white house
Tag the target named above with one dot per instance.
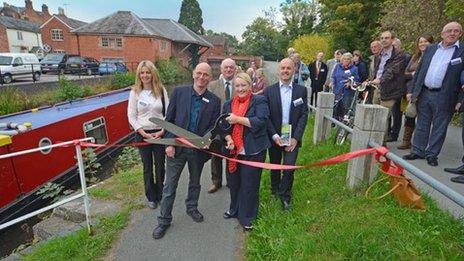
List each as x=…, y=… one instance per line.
x=18, y=35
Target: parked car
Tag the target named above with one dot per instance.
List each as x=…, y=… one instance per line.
x=55, y=62
x=112, y=67
x=82, y=65
x=19, y=65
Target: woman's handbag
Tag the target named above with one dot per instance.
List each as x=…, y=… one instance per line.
x=411, y=110
x=403, y=189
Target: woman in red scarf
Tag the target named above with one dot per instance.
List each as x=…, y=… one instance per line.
x=248, y=141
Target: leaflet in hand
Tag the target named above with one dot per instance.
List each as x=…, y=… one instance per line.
x=286, y=134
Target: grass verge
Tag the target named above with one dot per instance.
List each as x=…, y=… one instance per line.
x=125, y=187
x=329, y=221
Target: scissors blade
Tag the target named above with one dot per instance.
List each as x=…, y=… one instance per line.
x=196, y=140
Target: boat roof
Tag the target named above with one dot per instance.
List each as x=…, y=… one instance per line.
x=52, y=114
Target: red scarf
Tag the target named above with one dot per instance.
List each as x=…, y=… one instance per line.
x=239, y=107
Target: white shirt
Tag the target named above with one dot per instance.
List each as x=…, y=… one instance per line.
x=286, y=99
x=142, y=107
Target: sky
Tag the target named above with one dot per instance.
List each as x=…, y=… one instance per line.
x=218, y=15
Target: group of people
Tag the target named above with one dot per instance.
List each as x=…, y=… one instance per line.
x=263, y=120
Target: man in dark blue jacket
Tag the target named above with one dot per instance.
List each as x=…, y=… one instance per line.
x=195, y=109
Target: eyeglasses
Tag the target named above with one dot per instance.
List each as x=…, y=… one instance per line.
x=452, y=31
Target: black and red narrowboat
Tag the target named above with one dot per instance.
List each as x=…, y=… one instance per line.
x=102, y=116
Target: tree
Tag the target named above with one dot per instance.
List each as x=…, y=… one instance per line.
x=191, y=16
x=455, y=10
x=409, y=19
x=351, y=24
x=308, y=46
x=263, y=39
x=299, y=17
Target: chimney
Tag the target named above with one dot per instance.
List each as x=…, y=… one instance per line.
x=61, y=11
x=45, y=9
x=29, y=5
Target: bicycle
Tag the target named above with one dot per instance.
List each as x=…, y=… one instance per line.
x=348, y=119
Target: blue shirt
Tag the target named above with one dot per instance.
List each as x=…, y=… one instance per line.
x=286, y=99
x=439, y=65
x=340, y=78
x=195, y=106
x=384, y=56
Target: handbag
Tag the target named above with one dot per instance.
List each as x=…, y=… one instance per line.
x=402, y=188
x=411, y=110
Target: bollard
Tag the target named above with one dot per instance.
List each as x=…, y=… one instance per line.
x=325, y=102
x=369, y=125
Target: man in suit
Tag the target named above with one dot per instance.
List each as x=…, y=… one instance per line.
x=437, y=88
x=331, y=66
x=196, y=109
x=389, y=68
x=318, y=74
x=376, y=48
x=301, y=70
x=224, y=89
x=293, y=111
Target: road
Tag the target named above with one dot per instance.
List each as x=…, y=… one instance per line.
x=49, y=78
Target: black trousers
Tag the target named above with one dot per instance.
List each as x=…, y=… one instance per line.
x=244, y=189
x=282, y=181
x=396, y=119
x=149, y=154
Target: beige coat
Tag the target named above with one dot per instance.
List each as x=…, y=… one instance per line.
x=217, y=87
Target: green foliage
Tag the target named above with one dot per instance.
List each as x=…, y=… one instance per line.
x=191, y=16
x=128, y=158
x=328, y=221
x=351, y=24
x=68, y=90
x=53, y=191
x=121, y=80
x=262, y=38
x=308, y=46
x=299, y=17
x=91, y=165
x=11, y=101
x=169, y=71
x=455, y=11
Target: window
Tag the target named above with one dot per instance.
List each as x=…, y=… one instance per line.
x=18, y=61
x=97, y=129
x=111, y=42
x=163, y=46
x=57, y=35
x=20, y=35
x=43, y=143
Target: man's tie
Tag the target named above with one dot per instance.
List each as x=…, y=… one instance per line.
x=227, y=91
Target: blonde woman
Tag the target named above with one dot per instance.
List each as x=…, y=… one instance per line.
x=148, y=98
x=259, y=83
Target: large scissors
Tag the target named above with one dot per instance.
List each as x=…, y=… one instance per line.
x=221, y=126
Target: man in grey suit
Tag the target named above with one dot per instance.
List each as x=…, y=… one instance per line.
x=437, y=88
x=224, y=89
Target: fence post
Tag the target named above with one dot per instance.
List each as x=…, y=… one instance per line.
x=369, y=125
x=80, y=164
x=325, y=102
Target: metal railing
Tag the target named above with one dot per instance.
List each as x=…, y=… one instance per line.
x=83, y=194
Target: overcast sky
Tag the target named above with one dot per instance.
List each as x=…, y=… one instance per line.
x=219, y=15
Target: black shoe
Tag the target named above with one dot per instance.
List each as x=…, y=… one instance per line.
x=458, y=179
x=227, y=215
x=286, y=205
x=159, y=231
x=152, y=204
x=432, y=161
x=248, y=228
x=412, y=156
x=459, y=170
x=196, y=215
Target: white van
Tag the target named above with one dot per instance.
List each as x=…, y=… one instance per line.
x=19, y=65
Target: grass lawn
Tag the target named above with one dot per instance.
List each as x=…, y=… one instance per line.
x=125, y=187
x=328, y=221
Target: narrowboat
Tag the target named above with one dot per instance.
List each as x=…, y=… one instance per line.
x=101, y=116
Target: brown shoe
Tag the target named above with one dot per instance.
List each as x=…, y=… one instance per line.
x=213, y=188
x=406, y=138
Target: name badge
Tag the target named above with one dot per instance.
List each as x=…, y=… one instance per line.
x=456, y=61
x=205, y=100
x=347, y=71
x=297, y=102
x=142, y=103
x=322, y=70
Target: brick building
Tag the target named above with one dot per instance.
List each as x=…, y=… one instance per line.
x=220, y=45
x=26, y=13
x=17, y=35
x=57, y=36
x=123, y=36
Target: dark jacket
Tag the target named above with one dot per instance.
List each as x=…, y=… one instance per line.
x=363, y=71
x=298, y=113
x=179, y=109
x=392, y=80
x=317, y=82
x=255, y=138
x=340, y=77
x=451, y=85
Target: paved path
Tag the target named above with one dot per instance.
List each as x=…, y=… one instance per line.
x=450, y=156
x=213, y=239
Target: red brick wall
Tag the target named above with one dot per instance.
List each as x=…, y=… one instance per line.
x=69, y=43
x=217, y=50
x=34, y=17
x=4, y=48
x=134, y=49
